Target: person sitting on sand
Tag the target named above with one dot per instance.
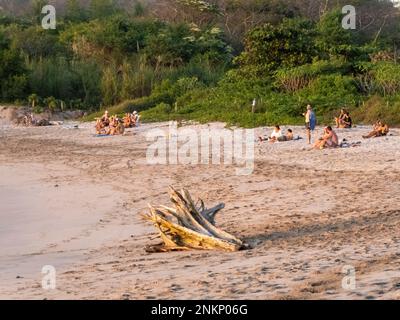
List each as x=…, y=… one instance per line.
x=328, y=140
x=120, y=129
x=105, y=119
x=339, y=119
x=112, y=128
x=276, y=134
x=135, y=118
x=26, y=121
x=380, y=129
x=343, y=120
x=32, y=119
x=347, y=122
x=100, y=128
x=127, y=120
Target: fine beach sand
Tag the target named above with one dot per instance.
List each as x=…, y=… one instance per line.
x=74, y=201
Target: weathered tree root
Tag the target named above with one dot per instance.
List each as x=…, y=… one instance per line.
x=189, y=226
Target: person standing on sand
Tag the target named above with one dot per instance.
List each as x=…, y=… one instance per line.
x=311, y=121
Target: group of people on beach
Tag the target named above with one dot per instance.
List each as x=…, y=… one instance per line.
x=131, y=120
x=29, y=120
x=277, y=135
x=114, y=125
x=329, y=139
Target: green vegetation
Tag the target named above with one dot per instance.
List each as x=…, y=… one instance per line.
x=204, y=61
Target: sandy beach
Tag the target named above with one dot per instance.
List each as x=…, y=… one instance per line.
x=74, y=201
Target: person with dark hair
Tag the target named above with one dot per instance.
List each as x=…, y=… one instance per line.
x=276, y=134
x=343, y=120
x=347, y=122
x=328, y=140
x=289, y=135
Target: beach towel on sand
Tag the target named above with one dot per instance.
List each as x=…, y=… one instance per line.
x=101, y=135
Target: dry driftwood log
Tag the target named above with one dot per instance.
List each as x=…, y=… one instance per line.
x=189, y=226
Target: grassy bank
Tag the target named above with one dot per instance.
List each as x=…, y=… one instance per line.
x=369, y=110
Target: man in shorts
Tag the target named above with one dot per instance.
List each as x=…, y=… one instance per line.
x=310, y=122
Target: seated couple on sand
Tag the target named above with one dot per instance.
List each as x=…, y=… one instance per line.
x=109, y=125
x=278, y=136
x=380, y=129
x=343, y=120
x=328, y=140
x=131, y=119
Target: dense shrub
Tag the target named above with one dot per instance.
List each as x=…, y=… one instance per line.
x=13, y=82
x=294, y=79
x=269, y=47
x=387, y=77
x=376, y=108
x=329, y=92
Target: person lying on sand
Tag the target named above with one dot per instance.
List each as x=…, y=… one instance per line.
x=380, y=129
x=328, y=140
x=288, y=137
x=344, y=120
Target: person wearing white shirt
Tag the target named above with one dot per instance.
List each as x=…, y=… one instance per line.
x=276, y=134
